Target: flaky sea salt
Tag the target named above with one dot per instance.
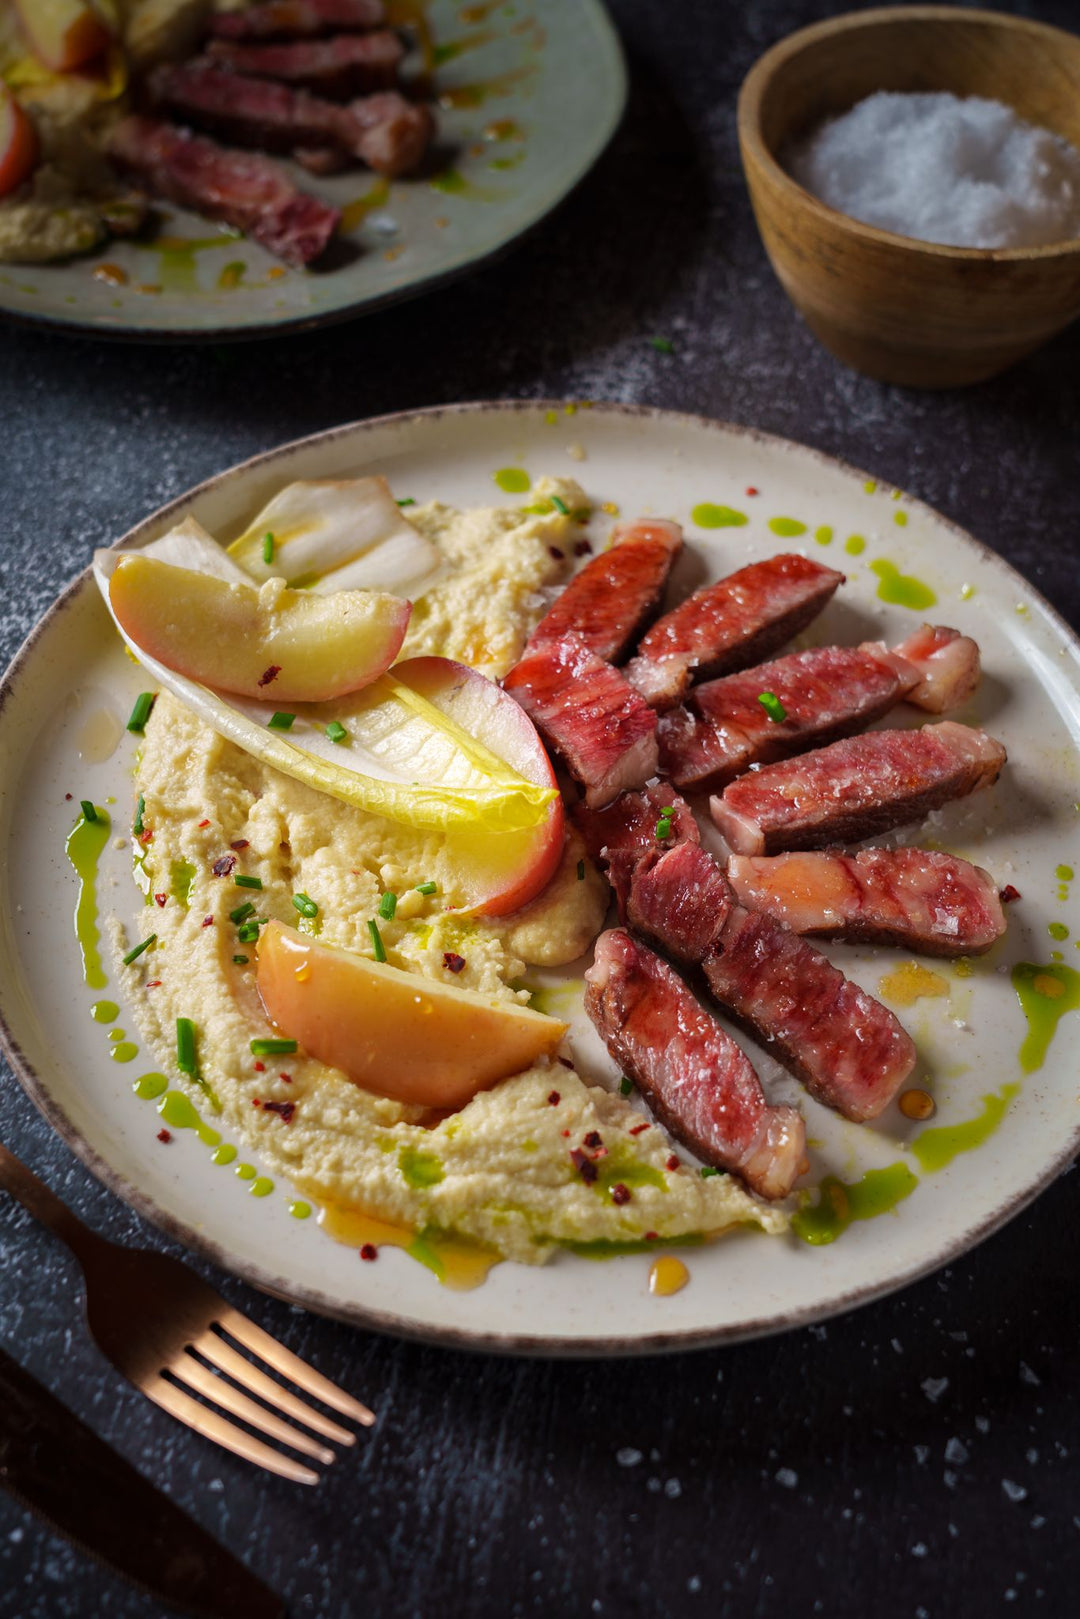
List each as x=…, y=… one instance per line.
x=963, y=172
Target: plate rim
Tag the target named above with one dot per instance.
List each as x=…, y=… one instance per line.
x=381, y=1320
x=610, y=43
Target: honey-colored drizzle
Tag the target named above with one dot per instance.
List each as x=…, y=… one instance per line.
x=458, y=1264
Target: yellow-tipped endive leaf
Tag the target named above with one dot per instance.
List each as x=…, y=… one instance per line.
x=344, y=534
x=403, y=757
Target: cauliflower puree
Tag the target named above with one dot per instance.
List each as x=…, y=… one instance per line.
x=502, y=1171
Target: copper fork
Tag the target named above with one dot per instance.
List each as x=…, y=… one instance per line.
x=159, y=1324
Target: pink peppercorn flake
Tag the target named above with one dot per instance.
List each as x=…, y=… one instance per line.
x=208, y=921
x=224, y=866
x=159, y=899
x=584, y=1166
x=594, y=1139
x=750, y=490
x=1008, y=894
x=672, y=1163
x=566, y=1132
x=165, y=1136
x=554, y=1098
x=256, y=1102
x=286, y=1078
x=284, y=1110
x=652, y=1236
x=260, y=1068
x=620, y=1193
x=369, y=1251
x=147, y=836
x=241, y=843
x=269, y=675
x=453, y=962
x=67, y=798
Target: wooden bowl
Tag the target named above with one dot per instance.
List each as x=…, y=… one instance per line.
x=899, y=309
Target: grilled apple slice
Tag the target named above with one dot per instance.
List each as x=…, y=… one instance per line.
x=18, y=143
x=393, y=1032
x=274, y=644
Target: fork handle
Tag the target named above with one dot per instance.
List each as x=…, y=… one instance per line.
x=45, y=1206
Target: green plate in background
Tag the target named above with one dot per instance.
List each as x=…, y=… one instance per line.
x=528, y=95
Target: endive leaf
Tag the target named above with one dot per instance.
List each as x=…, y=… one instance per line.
x=402, y=757
x=345, y=534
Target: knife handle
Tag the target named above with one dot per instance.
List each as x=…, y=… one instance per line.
x=45, y=1206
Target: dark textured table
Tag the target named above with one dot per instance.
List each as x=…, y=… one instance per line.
x=918, y=1458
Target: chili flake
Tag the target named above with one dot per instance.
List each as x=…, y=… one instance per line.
x=594, y=1139
x=1008, y=894
x=269, y=674
x=672, y=1162
x=260, y=1068
x=637, y=1128
x=620, y=1193
x=208, y=922
x=206, y=822
x=584, y=1166
x=750, y=490
x=159, y=899
x=554, y=1098
x=453, y=962
x=369, y=1251
x=165, y=1136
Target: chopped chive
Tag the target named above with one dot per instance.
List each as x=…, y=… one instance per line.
x=663, y=828
x=140, y=811
x=427, y=888
x=663, y=345
x=376, y=941
x=561, y=504
x=581, y=871
x=668, y=813
x=772, y=705
x=242, y=912
x=268, y=548
x=280, y=722
x=247, y=882
x=185, y=1046
x=625, y=1086
x=249, y=933
x=89, y=812
x=407, y=502
x=707, y=1171
x=273, y=1048
x=387, y=906
x=240, y=961
x=133, y=955
x=141, y=712
x=305, y=905
x=337, y=732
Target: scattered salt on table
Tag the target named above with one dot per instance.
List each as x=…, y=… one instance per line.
x=963, y=172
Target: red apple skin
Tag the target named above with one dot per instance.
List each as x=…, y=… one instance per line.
x=510, y=868
x=18, y=143
x=395, y=1033
x=63, y=34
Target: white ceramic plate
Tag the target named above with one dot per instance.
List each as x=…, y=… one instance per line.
x=72, y=672
x=525, y=103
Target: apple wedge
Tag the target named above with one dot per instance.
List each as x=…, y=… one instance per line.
x=502, y=872
x=275, y=644
x=63, y=34
x=392, y=1032
x=18, y=143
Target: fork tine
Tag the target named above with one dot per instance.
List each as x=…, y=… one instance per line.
x=228, y=1359
x=212, y=1425
x=237, y=1404
x=289, y=1365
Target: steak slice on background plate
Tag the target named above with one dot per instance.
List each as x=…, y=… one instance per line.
x=919, y=899
x=697, y=1081
x=611, y=599
x=339, y=67
x=297, y=19
x=243, y=189
x=862, y=786
x=602, y=730
x=384, y=131
x=726, y=626
x=949, y=667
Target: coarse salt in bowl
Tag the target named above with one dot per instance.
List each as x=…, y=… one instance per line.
x=907, y=310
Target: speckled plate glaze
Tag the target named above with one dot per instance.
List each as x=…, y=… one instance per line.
x=68, y=692
x=527, y=97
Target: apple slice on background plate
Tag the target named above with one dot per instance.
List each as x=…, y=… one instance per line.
x=63, y=34
x=18, y=143
x=393, y=1032
x=288, y=644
